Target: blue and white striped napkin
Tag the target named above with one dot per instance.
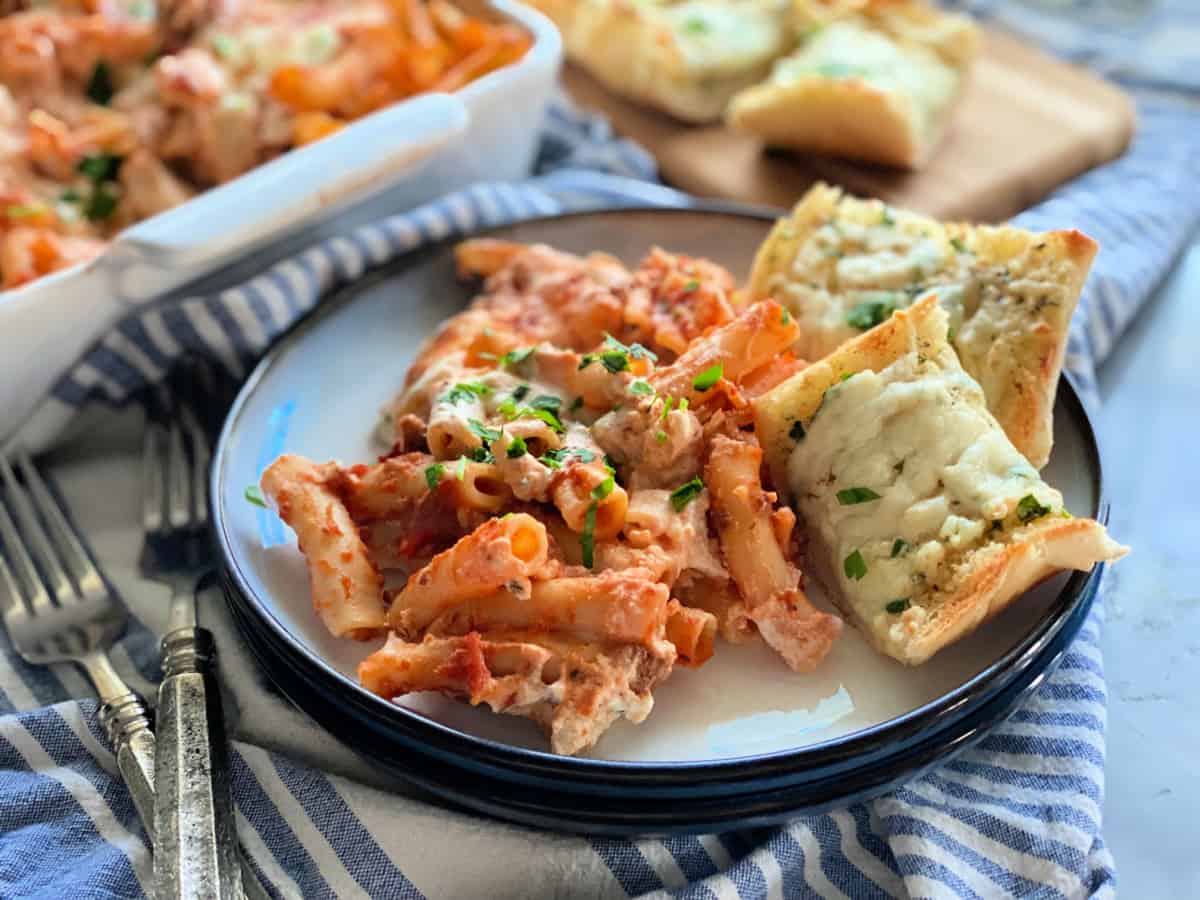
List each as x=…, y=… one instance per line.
x=1019, y=814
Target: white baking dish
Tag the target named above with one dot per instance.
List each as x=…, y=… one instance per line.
x=414, y=151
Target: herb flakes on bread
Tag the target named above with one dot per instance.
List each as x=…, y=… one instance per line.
x=842, y=265
x=923, y=519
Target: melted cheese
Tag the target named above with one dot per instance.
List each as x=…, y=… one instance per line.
x=918, y=434
x=850, y=50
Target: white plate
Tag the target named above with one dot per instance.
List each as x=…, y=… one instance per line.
x=320, y=395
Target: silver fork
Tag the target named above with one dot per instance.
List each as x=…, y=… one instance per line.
x=196, y=854
x=58, y=608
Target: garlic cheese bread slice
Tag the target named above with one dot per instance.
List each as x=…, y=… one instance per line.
x=842, y=265
x=687, y=58
x=878, y=85
x=923, y=520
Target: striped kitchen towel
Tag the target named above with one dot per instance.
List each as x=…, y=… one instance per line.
x=1019, y=814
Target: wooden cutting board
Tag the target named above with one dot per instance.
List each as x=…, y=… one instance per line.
x=1026, y=123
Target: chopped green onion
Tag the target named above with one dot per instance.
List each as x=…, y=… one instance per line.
x=100, y=87
x=786, y=318
x=854, y=566
x=899, y=545
x=898, y=606
x=516, y=447
x=460, y=470
x=667, y=404
x=433, y=474
x=254, y=495
x=587, y=538
x=709, y=377
x=683, y=404
x=696, y=25
x=796, y=432
x=1028, y=509
x=854, y=495
x=604, y=488
x=514, y=357
x=686, y=493
x=691, y=285
x=465, y=392
x=870, y=313
x=480, y=430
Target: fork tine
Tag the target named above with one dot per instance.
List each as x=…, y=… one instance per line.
x=13, y=605
x=153, y=452
x=63, y=536
x=200, y=461
x=178, y=493
x=58, y=582
x=27, y=576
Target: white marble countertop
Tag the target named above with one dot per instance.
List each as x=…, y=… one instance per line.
x=1149, y=431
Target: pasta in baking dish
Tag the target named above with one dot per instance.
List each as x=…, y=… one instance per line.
x=573, y=497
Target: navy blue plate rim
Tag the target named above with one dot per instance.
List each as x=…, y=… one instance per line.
x=723, y=776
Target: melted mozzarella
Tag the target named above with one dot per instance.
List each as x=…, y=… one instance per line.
x=918, y=434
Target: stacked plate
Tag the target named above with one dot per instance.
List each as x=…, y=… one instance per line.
x=743, y=740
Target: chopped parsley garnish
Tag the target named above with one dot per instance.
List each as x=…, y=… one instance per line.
x=691, y=285
x=100, y=87
x=660, y=436
x=899, y=545
x=100, y=169
x=957, y=244
x=613, y=360
x=796, y=432
x=516, y=447
x=511, y=411
x=254, y=495
x=641, y=388
x=870, y=313
x=520, y=392
x=696, y=25
x=898, y=606
x=466, y=391
x=683, y=404
x=786, y=318
x=483, y=455
x=70, y=195
x=886, y=217
x=546, y=401
x=709, y=377
x=460, y=470
x=854, y=495
x=555, y=458
x=507, y=408
x=686, y=493
x=1028, y=509
x=224, y=46
x=100, y=166
x=847, y=376
x=480, y=430
x=577, y=404
x=433, y=474
x=514, y=357
x=854, y=566
x=587, y=538
x=604, y=488
x=545, y=415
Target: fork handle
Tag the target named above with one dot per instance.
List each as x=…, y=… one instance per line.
x=126, y=719
x=196, y=847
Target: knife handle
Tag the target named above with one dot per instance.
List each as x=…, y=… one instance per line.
x=126, y=719
x=195, y=853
